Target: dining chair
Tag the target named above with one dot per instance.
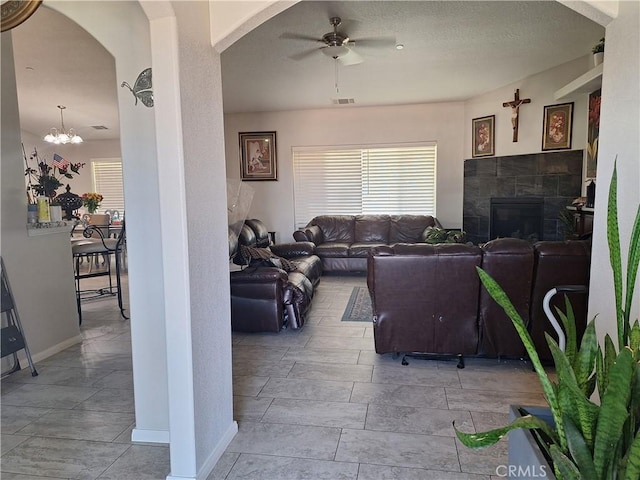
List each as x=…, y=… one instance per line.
x=96, y=243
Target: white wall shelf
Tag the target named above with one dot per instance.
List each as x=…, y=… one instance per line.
x=586, y=83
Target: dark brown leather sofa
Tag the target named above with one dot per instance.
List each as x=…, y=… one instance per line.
x=265, y=298
x=343, y=242
x=428, y=299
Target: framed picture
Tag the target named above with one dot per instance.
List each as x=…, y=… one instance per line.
x=557, y=126
x=258, y=156
x=593, y=132
x=484, y=136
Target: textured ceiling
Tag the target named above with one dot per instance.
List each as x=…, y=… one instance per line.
x=453, y=51
x=58, y=63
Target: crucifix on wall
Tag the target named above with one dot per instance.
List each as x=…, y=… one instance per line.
x=515, y=110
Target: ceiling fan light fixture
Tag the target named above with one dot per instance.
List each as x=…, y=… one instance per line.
x=335, y=51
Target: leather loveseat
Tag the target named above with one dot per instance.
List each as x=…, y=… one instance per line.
x=266, y=297
x=343, y=242
x=428, y=299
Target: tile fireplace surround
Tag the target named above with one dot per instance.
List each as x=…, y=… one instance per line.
x=555, y=177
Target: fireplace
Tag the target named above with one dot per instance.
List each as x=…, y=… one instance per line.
x=517, y=218
x=555, y=178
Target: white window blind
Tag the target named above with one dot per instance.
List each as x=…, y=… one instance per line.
x=392, y=179
x=107, y=181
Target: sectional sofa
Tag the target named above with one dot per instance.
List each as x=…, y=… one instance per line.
x=343, y=242
x=428, y=299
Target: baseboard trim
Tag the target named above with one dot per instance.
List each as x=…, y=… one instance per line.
x=139, y=435
x=49, y=352
x=213, y=458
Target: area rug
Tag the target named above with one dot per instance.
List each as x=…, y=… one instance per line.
x=359, y=306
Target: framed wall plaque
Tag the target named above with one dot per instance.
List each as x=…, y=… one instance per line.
x=258, y=156
x=483, y=137
x=557, y=126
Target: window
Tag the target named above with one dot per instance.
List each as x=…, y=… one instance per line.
x=392, y=179
x=107, y=181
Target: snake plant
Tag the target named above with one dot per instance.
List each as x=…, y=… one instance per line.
x=589, y=440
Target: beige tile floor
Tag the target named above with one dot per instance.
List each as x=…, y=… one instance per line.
x=318, y=403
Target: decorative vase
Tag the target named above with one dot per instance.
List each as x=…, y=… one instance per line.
x=591, y=194
x=598, y=58
x=69, y=202
x=55, y=213
x=43, y=209
x=32, y=213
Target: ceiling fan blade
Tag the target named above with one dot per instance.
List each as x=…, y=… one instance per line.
x=297, y=36
x=351, y=58
x=374, y=42
x=302, y=55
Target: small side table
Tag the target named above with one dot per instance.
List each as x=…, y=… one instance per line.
x=583, y=220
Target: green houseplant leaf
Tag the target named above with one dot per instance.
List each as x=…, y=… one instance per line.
x=584, y=364
x=613, y=410
x=613, y=239
x=632, y=268
x=632, y=470
x=580, y=451
x=563, y=465
x=574, y=404
x=498, y=294
x=486, y=439
x=589, y=441
x=569, y=324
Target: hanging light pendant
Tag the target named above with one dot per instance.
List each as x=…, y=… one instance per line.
x=62, y=136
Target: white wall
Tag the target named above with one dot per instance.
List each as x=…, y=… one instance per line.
x=540, y=89
x=39, y=268
x=206, y=386
x=123, y=29
x=82, y=153
x=447, y=123
x=619, y=136
x=273, y=201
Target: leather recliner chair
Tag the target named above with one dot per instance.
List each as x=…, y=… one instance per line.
x=265, y=298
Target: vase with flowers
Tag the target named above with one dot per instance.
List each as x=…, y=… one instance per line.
x=92, y=201
x=44, y=180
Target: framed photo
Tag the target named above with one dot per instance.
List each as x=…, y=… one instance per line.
x=557, y=126
x=593, y=133
x=258, y=156
x=484, y=139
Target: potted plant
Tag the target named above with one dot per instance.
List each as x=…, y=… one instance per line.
x=45, y=179
x=586, y=440
x=598, y=52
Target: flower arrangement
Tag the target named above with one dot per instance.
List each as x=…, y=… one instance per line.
x=92, y=201
x=45, y=179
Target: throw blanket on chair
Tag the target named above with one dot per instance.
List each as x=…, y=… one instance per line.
x=253, y=255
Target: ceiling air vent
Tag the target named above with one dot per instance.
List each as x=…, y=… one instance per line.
x=99, y=127
x=343, y=101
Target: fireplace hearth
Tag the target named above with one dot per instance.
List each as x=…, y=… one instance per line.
x=517, y=218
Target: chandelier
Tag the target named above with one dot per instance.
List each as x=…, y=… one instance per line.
x=62, y=136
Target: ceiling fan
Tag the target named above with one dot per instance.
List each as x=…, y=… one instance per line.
x=338, y=45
